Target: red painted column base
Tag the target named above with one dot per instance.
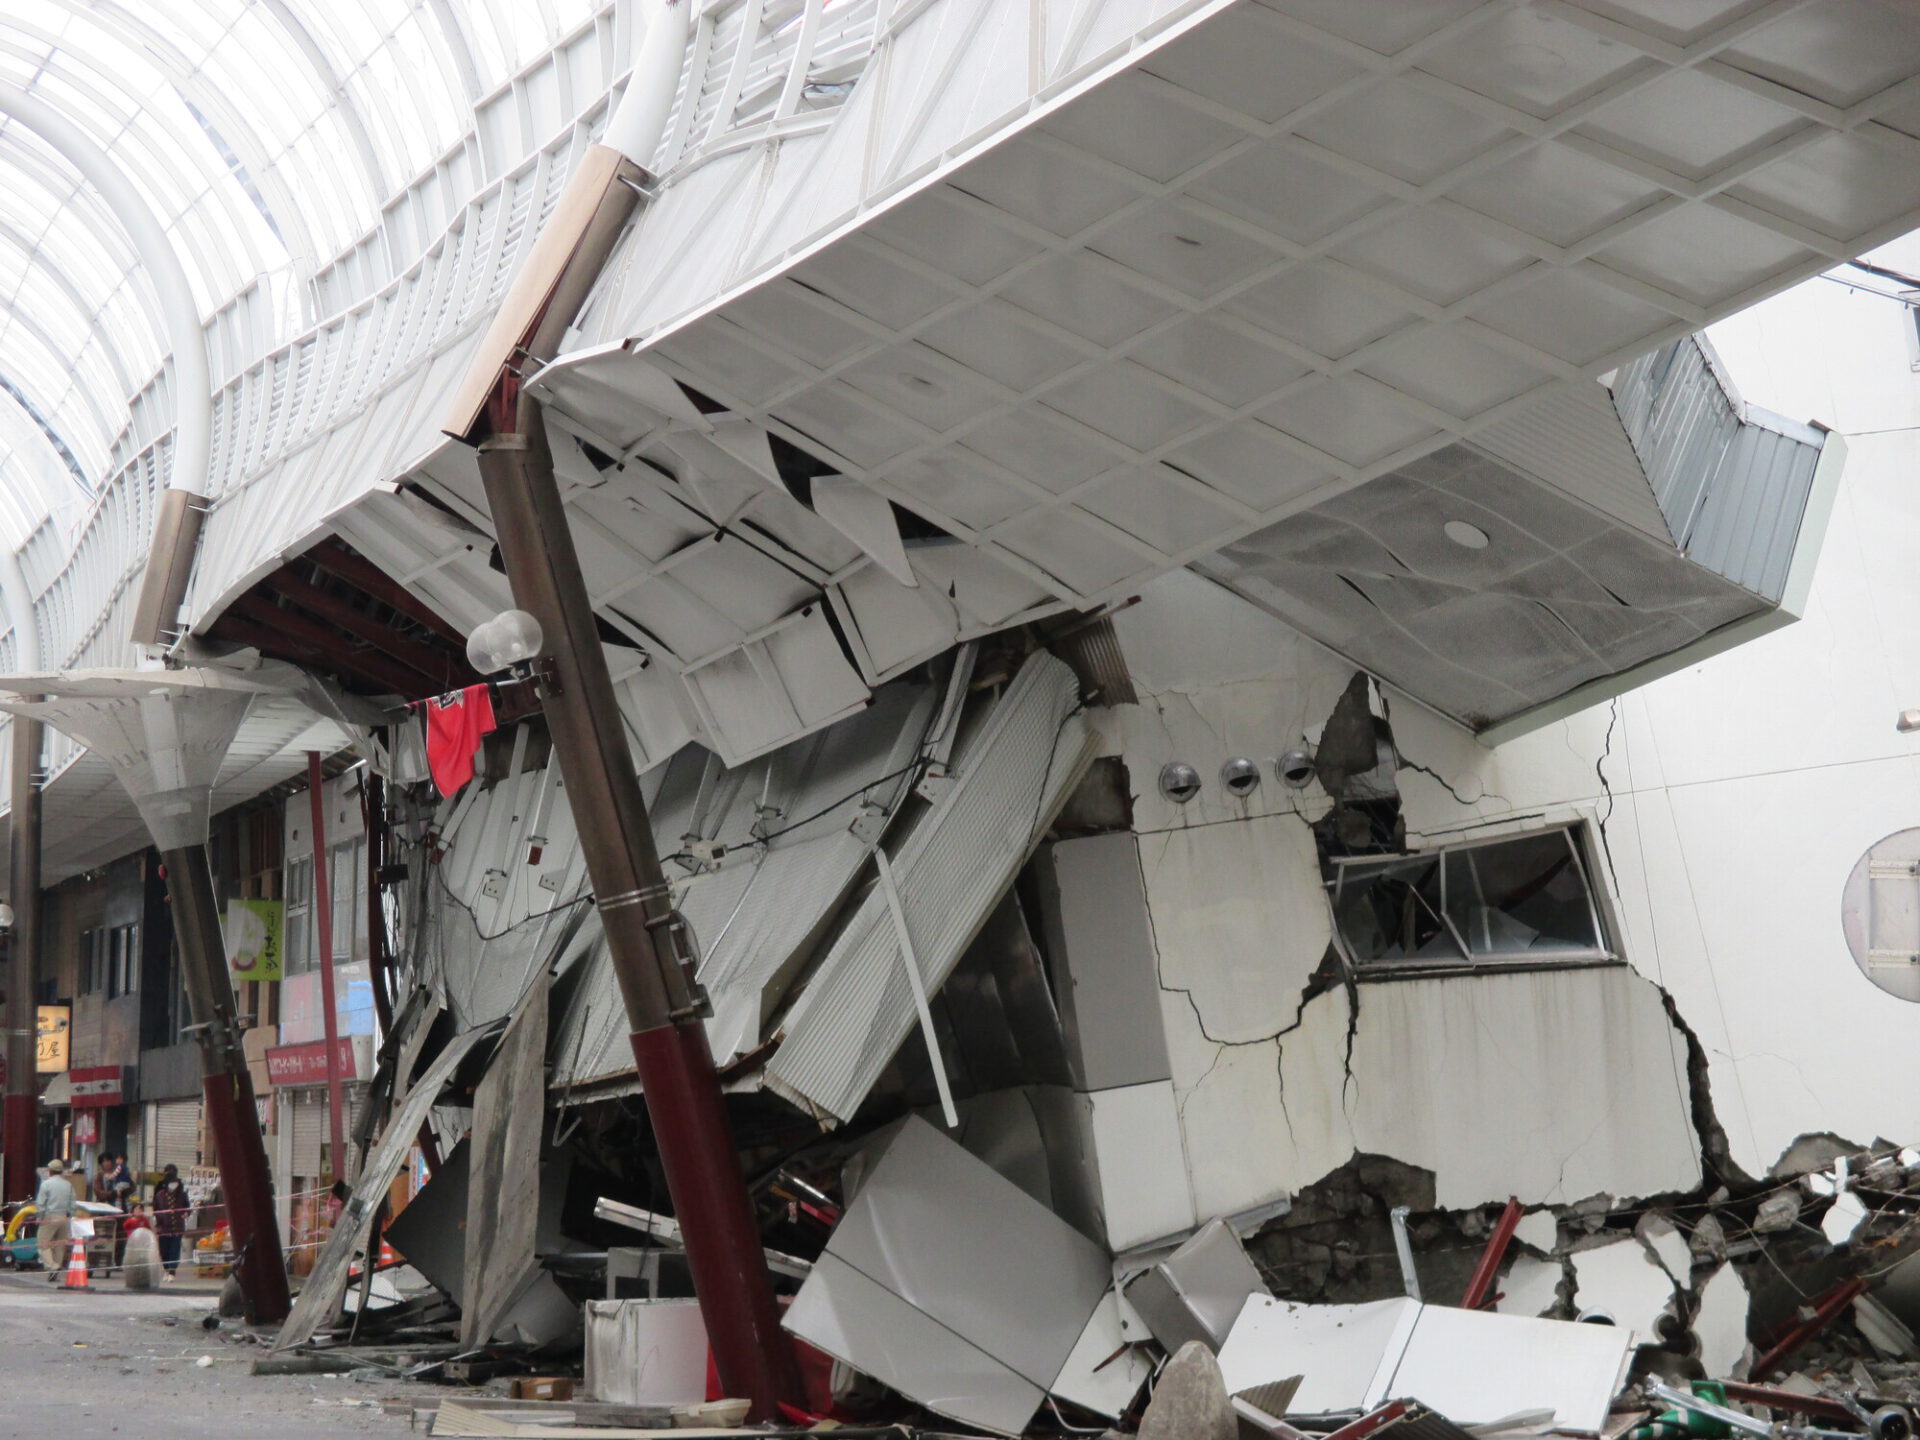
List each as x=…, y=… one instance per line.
x=19, y=1129
x=246, y=1190
x=752, y=1353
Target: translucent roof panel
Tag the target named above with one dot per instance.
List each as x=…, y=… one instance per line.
x=264, y=136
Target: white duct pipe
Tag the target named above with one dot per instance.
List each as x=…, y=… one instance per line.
x=639, y=121
x=186, y=337
x=19, y=598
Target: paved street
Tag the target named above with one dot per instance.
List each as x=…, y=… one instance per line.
x=82, y=1366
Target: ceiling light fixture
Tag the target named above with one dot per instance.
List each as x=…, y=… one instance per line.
x=1469, y=537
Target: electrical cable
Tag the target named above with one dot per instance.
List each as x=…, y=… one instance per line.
x=474, y=916
x=828, y=809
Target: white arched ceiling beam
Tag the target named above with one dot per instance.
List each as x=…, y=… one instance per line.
x=224, y=116
x=459, y=48
x=331, y=81
x=24, y=431
x=83, y=309
x=182, y=173
x=186, y=338
x=12, y=317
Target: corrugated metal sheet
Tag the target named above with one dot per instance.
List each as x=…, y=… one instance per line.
x=1012, y=775
x=1570, y=438
x=753, y=916
x=501, y=897
x=173, y=1134
x=1732, y=482
x=1749, y=522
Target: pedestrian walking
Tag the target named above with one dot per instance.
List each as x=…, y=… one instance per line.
x=170, y=1206
x=53, y=1208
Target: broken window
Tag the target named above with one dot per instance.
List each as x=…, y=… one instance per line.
x=1520, y=900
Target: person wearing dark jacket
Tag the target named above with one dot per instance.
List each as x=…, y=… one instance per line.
x=170, y=1206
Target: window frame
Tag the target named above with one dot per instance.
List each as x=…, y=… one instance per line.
x=1577, y=831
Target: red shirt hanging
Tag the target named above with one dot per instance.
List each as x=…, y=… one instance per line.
x=456, y=724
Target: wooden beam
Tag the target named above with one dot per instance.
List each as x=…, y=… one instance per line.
x=448, y=669
x=336, y=559
x=335, y=654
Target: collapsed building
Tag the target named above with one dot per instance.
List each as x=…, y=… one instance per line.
x=1219, y=711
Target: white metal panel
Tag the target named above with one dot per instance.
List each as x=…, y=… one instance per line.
x=1011, y=778
x=646, y=1352
x=753, y=917
x=856, y=1320
x=1142, y=1163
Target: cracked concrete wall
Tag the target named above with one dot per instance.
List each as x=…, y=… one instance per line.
x=1734, y=799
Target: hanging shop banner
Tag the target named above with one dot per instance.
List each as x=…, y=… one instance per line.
x=307, y=1064
x=86, y=1127
x=99, y=1087
x=254, y=933
x=55, y=1029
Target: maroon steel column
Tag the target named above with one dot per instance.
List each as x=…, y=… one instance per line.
x=710, y=1200
x=20, y=1121
x=323, y=928
x=246, y=1186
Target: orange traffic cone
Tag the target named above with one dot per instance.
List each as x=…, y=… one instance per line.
x=77, y=1267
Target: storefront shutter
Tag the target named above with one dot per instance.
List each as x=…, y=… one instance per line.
x=174, y=1134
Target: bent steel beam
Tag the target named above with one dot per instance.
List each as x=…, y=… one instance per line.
x=644, y=939
x=246, y=1186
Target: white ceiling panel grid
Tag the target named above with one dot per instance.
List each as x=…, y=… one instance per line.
x=1249, y=255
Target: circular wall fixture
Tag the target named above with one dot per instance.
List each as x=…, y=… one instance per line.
x=1296, y=768
x=1179, y=781
x=1880, y=914
x=1470, y=537
x=1240, y=775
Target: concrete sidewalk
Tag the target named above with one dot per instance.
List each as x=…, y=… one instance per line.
x=183, y=1287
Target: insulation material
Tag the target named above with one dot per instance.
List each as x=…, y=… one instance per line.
x=1530, y=1287
x=1011, y=776
x=1669, y=1246
x=1471, y=1366
x=1622, y=1282
x=947, y=1282
x=1720, y=1324
x=1540, y=1230
x=646, y=1352
x=1843, y=1217
x=756, y=909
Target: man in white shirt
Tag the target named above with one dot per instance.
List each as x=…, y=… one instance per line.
x=53, y=1207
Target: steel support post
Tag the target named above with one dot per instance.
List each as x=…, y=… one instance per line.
x=754, y=1357
x=20, y=1121
x=246, y=1186
x=323, y=927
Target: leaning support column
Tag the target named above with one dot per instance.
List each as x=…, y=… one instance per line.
x=20, y=1122
x=246, y=1185
x=166, y=734
x=682, y=1093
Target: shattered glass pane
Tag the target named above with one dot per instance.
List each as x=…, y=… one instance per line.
x=1523, y=898
x=1391, y=911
